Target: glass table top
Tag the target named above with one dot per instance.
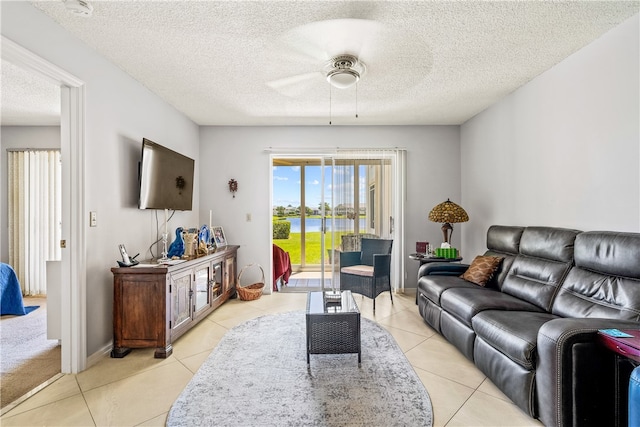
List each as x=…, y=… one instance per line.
x=328, y=302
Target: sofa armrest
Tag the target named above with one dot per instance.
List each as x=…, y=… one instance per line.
x=442, y=269
x=575, y=373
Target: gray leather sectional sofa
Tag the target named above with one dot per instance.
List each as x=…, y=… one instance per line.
x=533, y=328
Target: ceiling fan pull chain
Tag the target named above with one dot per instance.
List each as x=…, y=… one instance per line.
x=329, y=104
x=356, y=100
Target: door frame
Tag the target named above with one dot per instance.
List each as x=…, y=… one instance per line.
x=72, y=146
x=398, y=186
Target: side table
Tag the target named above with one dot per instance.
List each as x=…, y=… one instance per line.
x=425, y=259
x=627, y=351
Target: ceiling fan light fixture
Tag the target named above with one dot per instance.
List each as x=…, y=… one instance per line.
x=79, y=7
x=344, y=71
x=343, y=78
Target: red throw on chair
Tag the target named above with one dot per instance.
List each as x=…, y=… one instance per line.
x=281, y=266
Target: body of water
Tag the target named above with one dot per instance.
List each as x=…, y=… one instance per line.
x=314, y=224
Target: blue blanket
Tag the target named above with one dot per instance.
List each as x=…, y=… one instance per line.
x=10, y=293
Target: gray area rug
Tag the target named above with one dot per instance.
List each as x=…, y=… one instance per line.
x=258, y=376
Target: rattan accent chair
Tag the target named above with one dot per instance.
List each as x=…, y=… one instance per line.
x=367, y=272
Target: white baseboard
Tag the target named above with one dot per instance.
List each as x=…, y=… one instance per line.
x=105, y=351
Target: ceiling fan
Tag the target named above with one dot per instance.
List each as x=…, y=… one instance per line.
x=344, y=52
x=332, y=47
x=341, y=71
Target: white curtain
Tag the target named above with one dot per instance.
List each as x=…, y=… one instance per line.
x=35, y=211
x=383, y=185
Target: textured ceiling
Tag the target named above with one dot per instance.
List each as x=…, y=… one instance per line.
x=261, y=62
x=28, y=99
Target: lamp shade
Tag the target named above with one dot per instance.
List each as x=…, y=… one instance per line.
x=448, y=212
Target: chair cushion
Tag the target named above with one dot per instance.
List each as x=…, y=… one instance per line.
x=513, y=333
x=482, y=269
x=358, y=270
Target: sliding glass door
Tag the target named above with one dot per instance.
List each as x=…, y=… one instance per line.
x=329, y=200
x=301, y=204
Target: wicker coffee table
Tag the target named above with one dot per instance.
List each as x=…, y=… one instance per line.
x=333, y=325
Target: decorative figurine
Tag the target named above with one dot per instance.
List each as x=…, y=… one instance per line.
x=177, y=246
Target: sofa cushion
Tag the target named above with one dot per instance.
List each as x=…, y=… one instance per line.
x=605, y=282
x=513, y=333
x=609, y=253
x=482, y=269
x=550, y=243
x=502, y=241
x=464, y=303
x=587, y=294
x=432, y=287
x=544, y=260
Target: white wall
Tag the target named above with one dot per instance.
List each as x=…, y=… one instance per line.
x=563, y=150
x=433, y=175
x=119, y=113
x=19, y=137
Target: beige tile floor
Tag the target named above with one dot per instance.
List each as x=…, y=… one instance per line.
x=138, y=390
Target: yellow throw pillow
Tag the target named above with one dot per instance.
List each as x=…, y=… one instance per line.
x=481, y=269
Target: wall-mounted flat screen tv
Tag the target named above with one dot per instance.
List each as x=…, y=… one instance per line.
x=166, y=178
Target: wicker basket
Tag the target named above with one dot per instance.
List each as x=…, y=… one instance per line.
x=253, y=291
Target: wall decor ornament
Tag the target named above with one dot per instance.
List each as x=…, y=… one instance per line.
x=233, y=187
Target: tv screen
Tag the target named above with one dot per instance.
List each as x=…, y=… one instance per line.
x=166, y=178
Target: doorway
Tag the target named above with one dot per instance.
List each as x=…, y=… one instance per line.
x=72, y=141
x=31, y=199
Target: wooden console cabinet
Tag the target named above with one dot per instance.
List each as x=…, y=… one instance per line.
x=154, y=305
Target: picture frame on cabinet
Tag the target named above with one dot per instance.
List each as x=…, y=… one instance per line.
x=219, y=237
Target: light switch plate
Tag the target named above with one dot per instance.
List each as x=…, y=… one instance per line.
x=93, y=219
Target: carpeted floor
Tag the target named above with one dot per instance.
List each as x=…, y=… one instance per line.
x=258, y=376
x=27, y=358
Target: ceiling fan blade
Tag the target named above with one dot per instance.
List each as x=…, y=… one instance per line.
x=293, y=86
x=326, y=39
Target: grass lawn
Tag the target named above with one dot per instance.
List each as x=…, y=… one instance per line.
x=313, y=240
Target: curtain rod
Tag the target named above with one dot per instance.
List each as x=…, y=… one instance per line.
x=32, y=149
x=329, y=150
